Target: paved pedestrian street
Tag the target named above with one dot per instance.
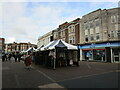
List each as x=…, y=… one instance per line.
x=15, y=75
x=87, y=75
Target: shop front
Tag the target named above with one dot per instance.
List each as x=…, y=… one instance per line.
x=94, y=54
x=115, y=55
x=106, y=52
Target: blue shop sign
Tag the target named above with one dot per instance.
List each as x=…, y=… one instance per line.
x=102, y=45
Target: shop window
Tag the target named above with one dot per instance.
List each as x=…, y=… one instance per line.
x=99, y=55
x=97, y=36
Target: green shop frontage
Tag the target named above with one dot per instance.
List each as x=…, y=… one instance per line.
x=104, y=52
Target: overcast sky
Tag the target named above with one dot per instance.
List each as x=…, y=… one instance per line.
x=26, y=21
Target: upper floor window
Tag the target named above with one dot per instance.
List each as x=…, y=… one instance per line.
x=63, y=39
x=71, y=29
x=91, y=31
x=116, y=26
x=97, y=22
x=86, y=25
x=56, y=36
x=112, y=34
x=60, y=34
x=113, y=19
x=64, y=33
x=86, y=38
x=97, y=36
x=71, y=40
x=86, y=32
x=118, y=17
x=118, y=34
x=92, y=37
x=91, y=24
x=97, y=30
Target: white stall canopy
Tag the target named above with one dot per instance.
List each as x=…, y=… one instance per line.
x=31, y=49
x=58, y=43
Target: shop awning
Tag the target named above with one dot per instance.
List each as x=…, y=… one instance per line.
x=100, y=45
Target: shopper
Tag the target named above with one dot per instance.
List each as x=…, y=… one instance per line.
x=28, y=62
x=9, y=56
x=19, y=57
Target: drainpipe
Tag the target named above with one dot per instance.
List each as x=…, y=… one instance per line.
x=78, y=56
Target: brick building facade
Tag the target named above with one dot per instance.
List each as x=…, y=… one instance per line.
x=17, y=47
x=67, y=31
x=97, y=35
x=2, y=46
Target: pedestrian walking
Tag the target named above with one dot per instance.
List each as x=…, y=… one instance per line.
x=27, y=62
x=12, y=56
x=3, y=57
x=9, y=56
x=15, y=56
x=6, y=56
x=19, y=57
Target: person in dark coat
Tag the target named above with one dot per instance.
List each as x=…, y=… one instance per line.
x=9, y=56
x=3, y=57
x=19, y=57
x=15, y=56
x=28, y=62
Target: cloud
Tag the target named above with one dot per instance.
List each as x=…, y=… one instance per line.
x=59, y=1
x=11, y=11
x=103, y=4
x=10, y=39
x=0, y=19
x=26, y=21
x=54, y=14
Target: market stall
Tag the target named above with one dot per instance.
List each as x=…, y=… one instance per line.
x=59, y=53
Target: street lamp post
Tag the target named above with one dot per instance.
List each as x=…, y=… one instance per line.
x=54, y=54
